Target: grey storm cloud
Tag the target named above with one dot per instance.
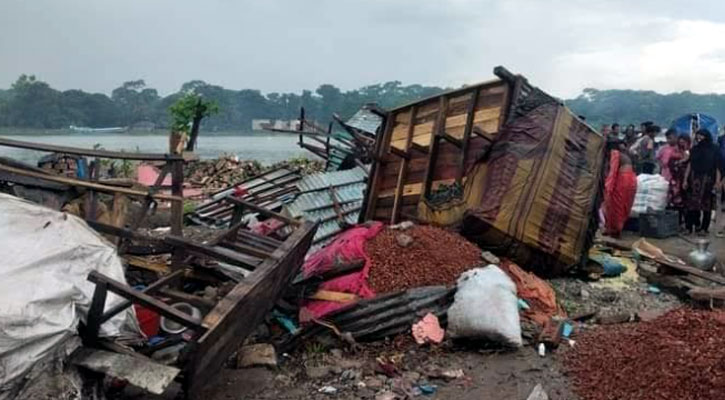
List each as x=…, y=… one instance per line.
x=290, y=45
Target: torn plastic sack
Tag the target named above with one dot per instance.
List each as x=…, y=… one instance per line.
x=537, y=293
x=44, y=291
x=485, y=307
x=347, y=248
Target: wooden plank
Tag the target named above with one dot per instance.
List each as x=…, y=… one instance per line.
x=120, y=155
x=220, y=254
x=124, y=233
x=467, y=135
x=237, y=314
x=243, y=248
x=95, y=312
x=438, y=131
x=376, y=172
x=88, y=185
x=150, y=289
x=138, y=297
x=177, y=190
x=402, y=172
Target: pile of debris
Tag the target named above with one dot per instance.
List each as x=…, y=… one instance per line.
x=221, y=172
x=676, y=356
x=227, y=170
x=418, y=256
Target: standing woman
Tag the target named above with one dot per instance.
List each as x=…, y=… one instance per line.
x=678, y=166
x=702, y=176
x=619, y=188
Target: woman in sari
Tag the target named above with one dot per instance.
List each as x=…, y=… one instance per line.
x=677, y=167
x=619, y=188
x=666, y=154
x=702, y=177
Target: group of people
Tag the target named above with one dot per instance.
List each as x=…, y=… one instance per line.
x=693, y=171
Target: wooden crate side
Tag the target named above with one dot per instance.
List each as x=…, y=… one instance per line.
x=237, y=314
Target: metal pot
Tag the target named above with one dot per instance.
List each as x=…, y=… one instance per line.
x=701, y=257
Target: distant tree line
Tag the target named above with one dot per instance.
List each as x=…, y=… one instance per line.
x=636, y=106
x=32, y=103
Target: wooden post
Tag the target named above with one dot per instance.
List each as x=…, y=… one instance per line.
x=439, y=128
x=470, y=113
x=177, y=189
x=398, y=200
x=95, y=312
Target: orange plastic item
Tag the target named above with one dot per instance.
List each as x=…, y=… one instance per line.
x=536, y=292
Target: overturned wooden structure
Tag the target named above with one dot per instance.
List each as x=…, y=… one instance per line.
x=507, y=163
x=260, y=266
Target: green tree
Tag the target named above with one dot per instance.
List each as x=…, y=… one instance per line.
x=187, y=113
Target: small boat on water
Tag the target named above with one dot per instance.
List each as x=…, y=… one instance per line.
x=85, y=129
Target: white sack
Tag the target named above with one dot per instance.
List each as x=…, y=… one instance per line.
x=485, y=307
x=652, y=191
x=45, y=258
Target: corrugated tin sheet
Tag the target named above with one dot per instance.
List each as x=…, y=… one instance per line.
x=316, y=203
x=366, y=121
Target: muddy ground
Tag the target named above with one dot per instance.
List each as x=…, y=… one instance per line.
x=473, y=373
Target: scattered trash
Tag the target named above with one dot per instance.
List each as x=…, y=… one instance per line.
x=427, y=389
x=654, y=289
x=404, y=240
x=567, y=329
x=490, y=258
x=448, y=374
x=541, y=349
x=538, y=393
x=523, y=305
x=611, y=266
x=387, y=395
x=428, y=330
x=537, y=293
x=405, y=225
x=327, y=390
x=486, y=307
x=260, y=354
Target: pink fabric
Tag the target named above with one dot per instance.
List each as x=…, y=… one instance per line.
x=266, y=227
x=664, y=156
x=147, y=175
x=428, y=330
x=347, y=247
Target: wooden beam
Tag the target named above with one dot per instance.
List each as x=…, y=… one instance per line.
x=403, y=171
x=149, y=290
x=450, y=139
x=400, y=153
x=177, y=190
x=438, y=131
x=120, y=155
x=381, y=145
x=124, y=233
x=89, y=185
x=264, y=211
x=467, y=130
x=147, y=301
x=243, y=248
x=223, y=255
x=238, y=313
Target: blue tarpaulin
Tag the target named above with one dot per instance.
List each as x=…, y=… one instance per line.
x=684, y=124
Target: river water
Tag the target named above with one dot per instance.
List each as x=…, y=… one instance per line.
x=267, y=148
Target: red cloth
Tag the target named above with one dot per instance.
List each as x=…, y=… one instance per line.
x=619, y=190
x=347, y=248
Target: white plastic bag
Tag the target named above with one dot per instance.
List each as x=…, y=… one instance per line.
x=485, y=307
x=651, y=194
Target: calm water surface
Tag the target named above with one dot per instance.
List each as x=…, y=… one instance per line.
x=267, y=148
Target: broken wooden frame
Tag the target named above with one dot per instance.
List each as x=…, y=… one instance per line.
x=267, y=265
x=432, y=143
x=174, y=166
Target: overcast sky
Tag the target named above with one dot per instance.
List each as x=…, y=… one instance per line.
x=289, y=45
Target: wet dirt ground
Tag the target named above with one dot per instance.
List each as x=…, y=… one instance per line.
x=486, y=374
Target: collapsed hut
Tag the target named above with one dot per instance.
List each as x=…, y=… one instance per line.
x=510, y=165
